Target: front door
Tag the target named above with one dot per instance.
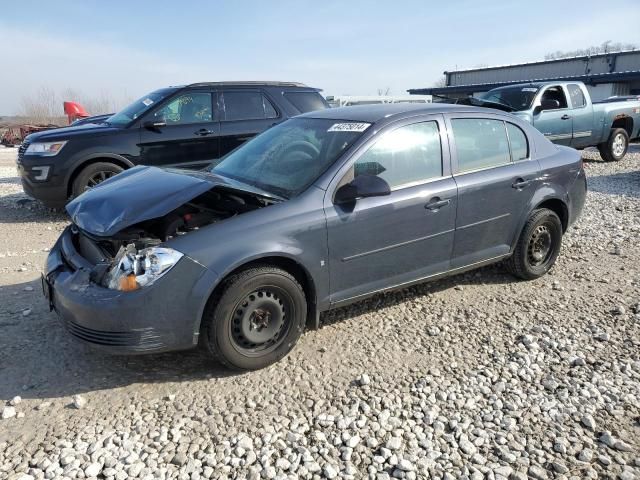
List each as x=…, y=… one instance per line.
x=187, y=132
x=379, y=242
x=496, y=179
x=557, y=123
x=245, y=114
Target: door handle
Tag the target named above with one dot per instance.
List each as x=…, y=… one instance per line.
x=520, y=183
x=203, y=132
x=565, y=117
x=436, y=204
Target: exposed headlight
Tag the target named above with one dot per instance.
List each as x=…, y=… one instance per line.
x=45, y=149
x=134, y=269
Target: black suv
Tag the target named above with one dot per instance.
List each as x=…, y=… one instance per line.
x=188, y=126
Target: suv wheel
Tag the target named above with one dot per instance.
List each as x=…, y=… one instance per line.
x=538, y=246
x=256, y=318
x=616, y=146
x=92, y=175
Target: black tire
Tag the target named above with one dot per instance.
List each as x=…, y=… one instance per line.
x=538, y=246
x=245, y=333
x=92, y=175
x=616, y=146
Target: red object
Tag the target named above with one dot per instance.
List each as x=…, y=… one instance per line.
x=74, y=111
x=13, y=136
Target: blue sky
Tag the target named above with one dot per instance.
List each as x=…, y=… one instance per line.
x=127, y=48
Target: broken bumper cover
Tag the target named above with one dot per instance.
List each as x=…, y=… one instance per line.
x=161, y=317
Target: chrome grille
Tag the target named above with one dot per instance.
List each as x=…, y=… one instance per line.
x=22, y=149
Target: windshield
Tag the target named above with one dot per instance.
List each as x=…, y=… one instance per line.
x=137, y=108
x=518, y=98
x=286, y=159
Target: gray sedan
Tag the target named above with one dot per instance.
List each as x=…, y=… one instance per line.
x=322, y=210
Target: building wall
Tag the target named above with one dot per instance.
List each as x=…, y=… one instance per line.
x=616, y=62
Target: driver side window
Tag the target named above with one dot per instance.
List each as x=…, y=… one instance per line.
x=194, y=107
x=555, y=93
x=406, y=155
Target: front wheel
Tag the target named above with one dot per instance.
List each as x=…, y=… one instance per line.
x=92, y=175
x=538, y=246
x=256, y=318
x=616, y=146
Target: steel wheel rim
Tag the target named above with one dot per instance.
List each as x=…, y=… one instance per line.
x=97, y=178
x=618, y=145
x=260, y=320
x=540, y=246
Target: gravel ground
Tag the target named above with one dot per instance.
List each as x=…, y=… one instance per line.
x=475, y=377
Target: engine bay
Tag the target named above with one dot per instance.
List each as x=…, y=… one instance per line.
x=211, y=207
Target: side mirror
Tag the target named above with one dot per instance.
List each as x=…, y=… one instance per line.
x=548, y=104
x=361, y=187
x=154, y=124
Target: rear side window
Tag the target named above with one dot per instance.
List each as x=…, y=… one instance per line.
x=480, y=143
x=576, y=95
x=409, y=154
x=518, y=141
x=247, y=106
x=305, y=101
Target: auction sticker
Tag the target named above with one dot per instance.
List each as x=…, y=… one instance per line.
x=349, y=127
x=529, y=89
x=147, y=101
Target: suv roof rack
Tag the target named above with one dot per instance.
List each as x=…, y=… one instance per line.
x=248, y=83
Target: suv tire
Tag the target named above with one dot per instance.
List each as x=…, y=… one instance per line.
x=92, y=175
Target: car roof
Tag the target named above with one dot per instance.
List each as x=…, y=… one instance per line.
x=375, y=113
x=530, y=84
x=248, y=83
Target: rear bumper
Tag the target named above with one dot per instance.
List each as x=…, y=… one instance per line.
x=577, y=197
x=161, y=317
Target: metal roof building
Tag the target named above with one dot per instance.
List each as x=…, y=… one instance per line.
x=605, y=74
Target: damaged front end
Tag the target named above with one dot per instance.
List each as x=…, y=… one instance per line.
x=112, y=276
x=124, y=239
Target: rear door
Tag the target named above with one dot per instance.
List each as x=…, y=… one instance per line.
x=496, y=179
x=582, y=116
x=556, y=124
x=245, y=113
x=189, y=136
x=380, y=242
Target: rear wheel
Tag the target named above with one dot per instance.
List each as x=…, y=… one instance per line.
x=256, y=318
x=538, y=246
x=616, y=146
x=93, y=175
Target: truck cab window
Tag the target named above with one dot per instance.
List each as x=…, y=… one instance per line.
x=576, y=95
x=555, y=93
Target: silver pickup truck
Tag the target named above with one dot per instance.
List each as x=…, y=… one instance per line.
x=565, y=114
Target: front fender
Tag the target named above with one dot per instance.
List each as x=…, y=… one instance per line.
x=294, y=230
x=83, y=158
x=208, y=284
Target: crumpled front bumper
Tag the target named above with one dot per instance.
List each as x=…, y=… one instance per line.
x=161, y=317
